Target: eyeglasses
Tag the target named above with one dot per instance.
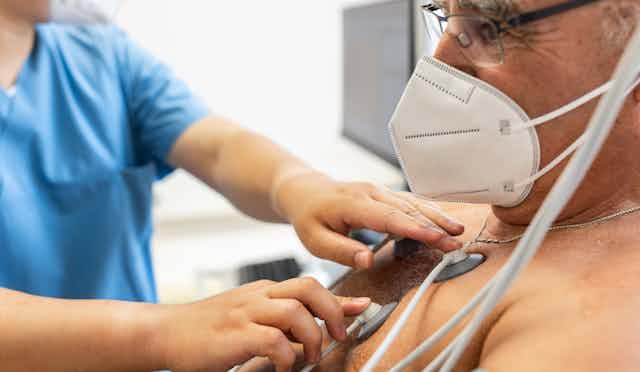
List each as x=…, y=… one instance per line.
x=479, y=37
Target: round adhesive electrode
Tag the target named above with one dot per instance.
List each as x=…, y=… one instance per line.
x=453, y=271
x=376, y=322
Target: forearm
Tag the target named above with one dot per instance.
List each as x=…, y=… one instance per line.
x=44, y=334
x=252, y=178
x=245, y=167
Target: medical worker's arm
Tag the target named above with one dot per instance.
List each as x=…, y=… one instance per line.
x=267, y=319
x=263, y=180
x=266, y=182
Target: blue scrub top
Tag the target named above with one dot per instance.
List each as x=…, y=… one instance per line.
x=81, y=143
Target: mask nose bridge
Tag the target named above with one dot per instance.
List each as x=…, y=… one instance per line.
x=441, y=78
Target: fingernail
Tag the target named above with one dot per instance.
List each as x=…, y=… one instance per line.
x=362, y=260
x=456, y=225
x=362, y=301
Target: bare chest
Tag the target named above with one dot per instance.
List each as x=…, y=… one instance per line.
x=585, y=295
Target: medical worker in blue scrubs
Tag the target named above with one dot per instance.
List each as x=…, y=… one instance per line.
x=88, y=121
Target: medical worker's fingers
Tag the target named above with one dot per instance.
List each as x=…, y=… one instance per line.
x=433, y=211
x=353, y=306
x=258, y=364
x=320, y=302
x=384, y=218
x=403, y=207
x=420, y=209
x=292, y=317
x=325, y=243
x=429, y=216
x=271, y=343
x=254, y=286
x=262, y=364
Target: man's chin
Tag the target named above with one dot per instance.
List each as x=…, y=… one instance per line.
x=522, y=214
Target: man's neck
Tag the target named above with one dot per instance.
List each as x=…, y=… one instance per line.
x=17, y=37
x=499, y=227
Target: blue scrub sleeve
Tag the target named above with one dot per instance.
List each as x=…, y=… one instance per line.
x=161, y=106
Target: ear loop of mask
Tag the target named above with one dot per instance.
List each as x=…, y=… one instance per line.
x=571, y=106
x=556, y=114
x=563, y=110
x=549, y=167
x=634, y=86
x=518, y=127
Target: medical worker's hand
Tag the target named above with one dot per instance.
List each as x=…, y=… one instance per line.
x=264, y=319
x=323, y=213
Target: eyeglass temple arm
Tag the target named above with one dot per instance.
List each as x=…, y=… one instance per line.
x=547, y=12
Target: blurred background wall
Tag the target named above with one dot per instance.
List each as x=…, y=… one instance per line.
x=274, y=67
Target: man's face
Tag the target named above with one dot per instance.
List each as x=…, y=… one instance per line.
x=547, y=64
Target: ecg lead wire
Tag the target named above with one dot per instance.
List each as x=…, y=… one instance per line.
x=445, y=329
x=404, y=317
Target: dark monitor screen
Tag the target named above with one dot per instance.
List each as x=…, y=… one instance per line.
x=378, y=62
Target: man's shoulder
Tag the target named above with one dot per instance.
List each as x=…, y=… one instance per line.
x=566, y=330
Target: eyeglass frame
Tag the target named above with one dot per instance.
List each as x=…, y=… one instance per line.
x=516, y=21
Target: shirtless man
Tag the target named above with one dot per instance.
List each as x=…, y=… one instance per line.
x=576, y=307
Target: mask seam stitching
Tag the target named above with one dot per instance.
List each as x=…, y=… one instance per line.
x=439, y=134
x=441, y=88
x=477, y=83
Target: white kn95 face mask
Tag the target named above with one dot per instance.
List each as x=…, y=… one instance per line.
x=460, y=139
